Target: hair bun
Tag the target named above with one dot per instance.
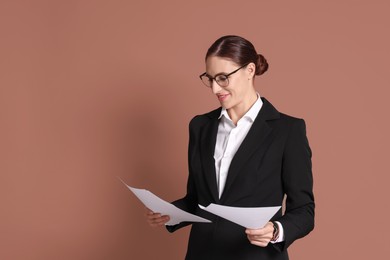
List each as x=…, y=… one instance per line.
x=261, y=65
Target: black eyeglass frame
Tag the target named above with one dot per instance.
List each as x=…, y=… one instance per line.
x=219, y=74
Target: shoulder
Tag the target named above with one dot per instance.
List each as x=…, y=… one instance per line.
x=292, y=125
x=202, y=119
x=276, y=118
x=291, y=119
x=294, y=131
x=284, y=123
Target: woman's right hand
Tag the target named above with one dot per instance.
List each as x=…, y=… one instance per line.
x=156, y=219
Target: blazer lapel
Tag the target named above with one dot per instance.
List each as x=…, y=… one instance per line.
x=208, y=140
x=256, y=136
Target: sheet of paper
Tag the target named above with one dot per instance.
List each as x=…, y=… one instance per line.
x=247, y=217
x=156, y=204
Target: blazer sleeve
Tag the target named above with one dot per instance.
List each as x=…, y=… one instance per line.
x=297, y=179
x=190, y=201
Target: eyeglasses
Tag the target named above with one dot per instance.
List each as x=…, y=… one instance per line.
x=221, y=79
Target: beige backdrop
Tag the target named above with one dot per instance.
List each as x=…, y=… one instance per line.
x=91, y=90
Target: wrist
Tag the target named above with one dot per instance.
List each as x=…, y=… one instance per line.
x=275, y=234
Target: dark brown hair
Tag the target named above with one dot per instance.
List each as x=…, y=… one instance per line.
x=238, y=50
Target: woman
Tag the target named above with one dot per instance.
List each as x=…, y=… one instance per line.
x=244, y=154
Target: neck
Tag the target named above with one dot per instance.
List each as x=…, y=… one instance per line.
x=238, y=111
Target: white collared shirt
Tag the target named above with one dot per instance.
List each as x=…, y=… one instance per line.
x=229, y=139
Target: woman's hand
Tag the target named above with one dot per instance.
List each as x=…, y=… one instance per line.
x=262, y=236
x=155, y=219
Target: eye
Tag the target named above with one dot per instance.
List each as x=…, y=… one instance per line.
x=209, y=79
x=221, y=78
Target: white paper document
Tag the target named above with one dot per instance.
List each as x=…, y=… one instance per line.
x=247, y=217
x=158, y=205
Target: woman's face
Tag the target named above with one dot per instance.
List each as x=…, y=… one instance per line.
x=240, y=86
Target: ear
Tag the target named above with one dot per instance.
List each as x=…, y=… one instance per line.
x=251, y=69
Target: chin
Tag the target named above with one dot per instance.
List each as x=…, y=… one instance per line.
x=226, y=107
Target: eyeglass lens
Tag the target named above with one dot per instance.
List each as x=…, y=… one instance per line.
x=222, y=80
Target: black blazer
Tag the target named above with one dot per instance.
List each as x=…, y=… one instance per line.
x=273, y=160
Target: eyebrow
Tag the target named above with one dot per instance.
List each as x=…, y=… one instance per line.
x=218, y=74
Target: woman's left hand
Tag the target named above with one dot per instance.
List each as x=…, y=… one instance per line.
x=261, y=236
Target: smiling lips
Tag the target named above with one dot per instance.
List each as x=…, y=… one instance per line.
x=222, y=97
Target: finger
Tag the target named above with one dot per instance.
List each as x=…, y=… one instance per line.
x=261, y=244
x=266, y=238
x=257, y=238
x=153, y=218
x=157, y=224
x=256, y=232
x=259, y=241
x=148, y=211
x=260, y=238
x=152, y=214
x=155, y=215
x=154, y=222
x=162, y=219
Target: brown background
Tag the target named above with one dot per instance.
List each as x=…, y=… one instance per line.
x=91, y=90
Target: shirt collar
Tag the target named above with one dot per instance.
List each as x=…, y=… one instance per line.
x=252, y=112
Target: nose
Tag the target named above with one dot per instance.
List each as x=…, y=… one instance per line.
x=215, y=87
